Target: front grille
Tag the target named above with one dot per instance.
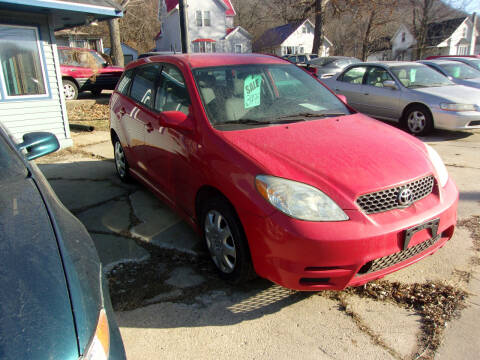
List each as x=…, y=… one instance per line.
x=385, y=200
x=390, y=260
x=474, y=123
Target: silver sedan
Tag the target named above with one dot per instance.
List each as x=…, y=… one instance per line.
x=413, y=94
x=458, y=72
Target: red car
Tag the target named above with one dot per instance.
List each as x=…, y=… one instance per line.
x=279, y=176
x=86, y=70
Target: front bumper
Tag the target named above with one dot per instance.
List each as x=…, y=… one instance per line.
x=304, y=255
x=452, y=120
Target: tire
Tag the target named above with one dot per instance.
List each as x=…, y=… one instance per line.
x=121, y=163
x=417, y=120
x=96, y=92
x=70, y=90
x=226, y=241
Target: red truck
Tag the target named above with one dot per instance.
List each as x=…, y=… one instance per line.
x=86, y=70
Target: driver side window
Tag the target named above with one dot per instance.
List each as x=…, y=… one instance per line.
x=172, y=94
x=376, y=76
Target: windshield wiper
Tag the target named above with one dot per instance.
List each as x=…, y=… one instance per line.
x=311, y=115
x=244, y=121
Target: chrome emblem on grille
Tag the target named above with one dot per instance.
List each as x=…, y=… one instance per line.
x=405, y=197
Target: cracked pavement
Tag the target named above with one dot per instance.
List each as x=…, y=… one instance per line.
x=171, y=304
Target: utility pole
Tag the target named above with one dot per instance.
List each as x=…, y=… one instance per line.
x=183, y=25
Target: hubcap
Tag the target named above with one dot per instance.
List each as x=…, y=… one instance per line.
x=68, y=91
x=120, y=159
x=416, y=121
x=220, y=241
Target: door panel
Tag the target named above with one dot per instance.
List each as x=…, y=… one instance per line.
x=167, y=152
x=380, y=101
x=350, y=85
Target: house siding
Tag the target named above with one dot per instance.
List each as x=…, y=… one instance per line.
x=21, y=116
x=237, y=39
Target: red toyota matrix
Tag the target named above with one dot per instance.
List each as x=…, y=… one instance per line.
x=280, y=176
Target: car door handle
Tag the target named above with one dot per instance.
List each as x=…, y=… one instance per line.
x=149, y=127
x=366, y=94
x=337, y=90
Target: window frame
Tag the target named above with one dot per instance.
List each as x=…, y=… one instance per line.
x=3, y=85
x=197, y=18
x=235, y=48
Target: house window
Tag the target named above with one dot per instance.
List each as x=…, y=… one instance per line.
x=304, y=29
x=202, y=20
x=403, y=37
x=198, y=18
x=204, y=47
x=462, y=50
x=464, y=32
x=206, y=18
x=238, y=48
x=21, y=71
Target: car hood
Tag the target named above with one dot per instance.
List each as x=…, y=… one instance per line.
x=344, y=157
x=36, y=319
x=112, y=69
x=456, y=93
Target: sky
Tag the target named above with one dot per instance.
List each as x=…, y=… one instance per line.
x=469, y=6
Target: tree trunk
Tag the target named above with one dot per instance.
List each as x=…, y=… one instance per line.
x=366, y=37
x=116, y=52
x=318, y=33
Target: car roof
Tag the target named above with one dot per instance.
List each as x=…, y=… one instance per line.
x=389, y=63
x=207, y=60
x=438, y=61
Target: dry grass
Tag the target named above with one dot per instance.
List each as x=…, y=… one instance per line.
x=95, y=115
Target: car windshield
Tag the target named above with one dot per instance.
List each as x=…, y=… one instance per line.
x=419, y=76
x=475, y=63
x=83, y=58
x=263, y=94
x=11, y=165
x=460, y=71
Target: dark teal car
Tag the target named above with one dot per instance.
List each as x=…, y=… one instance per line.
x=54, y=302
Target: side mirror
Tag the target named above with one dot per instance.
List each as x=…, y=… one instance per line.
x=343, y=98
x=177, y=120
x=390, y=84
x=38, y=144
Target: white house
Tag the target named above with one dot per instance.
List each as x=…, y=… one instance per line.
x=31, y=96
x=456, y=36
x=292, y=38
x=210, y=27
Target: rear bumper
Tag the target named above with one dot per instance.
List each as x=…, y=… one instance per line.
x=314, y=256
x=452, y=120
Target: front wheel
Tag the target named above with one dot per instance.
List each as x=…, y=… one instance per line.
x=226, y=242
x=418, y=120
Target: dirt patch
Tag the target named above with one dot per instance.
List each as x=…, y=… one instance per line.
x=96, y=115
x=436, y=303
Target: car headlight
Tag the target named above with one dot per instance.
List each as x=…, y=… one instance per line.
x=100, y=345
x=298, y=200
x=459, y=107
x=438, y=164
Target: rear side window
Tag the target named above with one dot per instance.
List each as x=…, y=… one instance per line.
x=354, y=75
x=125, y=81
x=143, y=84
